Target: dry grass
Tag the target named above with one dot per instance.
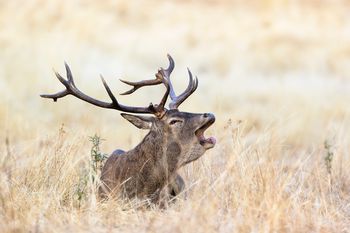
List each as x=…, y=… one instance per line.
x=275, y=73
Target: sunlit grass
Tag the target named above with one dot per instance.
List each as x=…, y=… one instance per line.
x=275, y=74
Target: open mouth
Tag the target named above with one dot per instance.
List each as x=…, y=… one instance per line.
x=209, y=142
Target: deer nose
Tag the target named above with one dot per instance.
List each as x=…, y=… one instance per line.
x=210, y=115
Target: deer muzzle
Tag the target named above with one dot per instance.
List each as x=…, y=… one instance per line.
x=209, y=142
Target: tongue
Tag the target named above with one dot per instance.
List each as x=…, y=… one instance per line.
x=211, y=140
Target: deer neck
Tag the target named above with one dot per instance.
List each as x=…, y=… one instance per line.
x=159, y=151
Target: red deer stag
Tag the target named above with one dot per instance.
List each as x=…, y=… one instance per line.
x=175, y=139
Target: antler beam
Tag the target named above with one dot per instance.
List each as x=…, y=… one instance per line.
x=162, y=76
x=71, y=89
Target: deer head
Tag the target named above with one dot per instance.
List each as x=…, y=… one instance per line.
x=174, y=135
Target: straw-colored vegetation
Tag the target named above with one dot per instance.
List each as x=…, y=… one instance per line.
x=275, y=73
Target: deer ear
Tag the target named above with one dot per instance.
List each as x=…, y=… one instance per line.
x=141, y=122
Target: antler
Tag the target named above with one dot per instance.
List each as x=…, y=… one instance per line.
x=71, y=89
x=159, y=79
x=165, y=77
x=192, y=86
x=162, y=76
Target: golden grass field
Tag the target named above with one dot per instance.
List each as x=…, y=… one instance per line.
x=274, y=72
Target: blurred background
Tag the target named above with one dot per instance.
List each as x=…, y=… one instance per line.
x=280, y=64
x=276, y=74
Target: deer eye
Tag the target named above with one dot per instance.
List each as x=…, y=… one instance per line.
x=173, y=122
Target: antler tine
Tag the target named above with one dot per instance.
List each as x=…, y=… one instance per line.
x=167, y=72
x=69, y=74
x=118, y=106
x=109, y=92
x=137, y=85
x=151, y=82
x=71, y=89
x=64, y=82
x=192, y=86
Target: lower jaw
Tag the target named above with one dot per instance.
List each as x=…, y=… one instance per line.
x=209, y=146
x=208, y=143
